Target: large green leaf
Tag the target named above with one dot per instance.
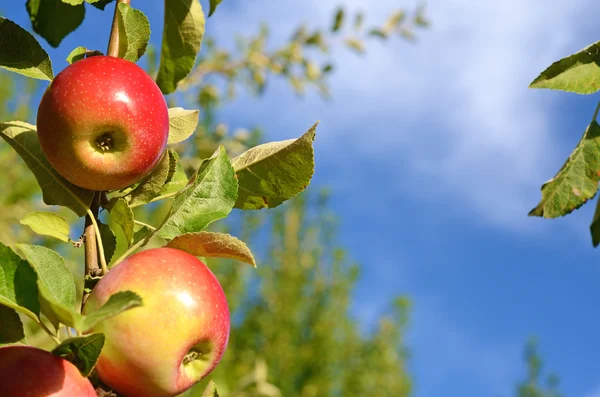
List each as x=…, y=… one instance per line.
x=21, y=53
x=54, y=19
x=47, y=224
x=210, y=196
x=213, y=6
x=18, y=283
x=134, y=32
x=152, y=186
x=83, y=352
x=100, y=4
x=55, y=189
x=274, y=172
x=578, y=73
x=213, y=245
x=54, y=279
x=11, y=327
x=182, y=124
x=576, y=182
x=182, y=37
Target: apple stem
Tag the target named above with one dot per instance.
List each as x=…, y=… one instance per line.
x=113, y=42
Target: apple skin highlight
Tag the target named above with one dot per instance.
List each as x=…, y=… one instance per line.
x=103, y=123
x=176, y=338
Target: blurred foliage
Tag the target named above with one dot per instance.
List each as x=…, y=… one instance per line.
x=292, y=333
x=534, y=385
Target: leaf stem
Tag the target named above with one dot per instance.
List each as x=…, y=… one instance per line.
x=144, y=224
x=113, y=42
x=47, y=330
x=158, y=198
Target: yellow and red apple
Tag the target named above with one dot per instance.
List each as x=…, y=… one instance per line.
x=27, y=371
x=176, y=338
x=103, y=123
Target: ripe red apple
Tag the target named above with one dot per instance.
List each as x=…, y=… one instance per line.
x=26, y=371
x=176, y=338
x=103, y=123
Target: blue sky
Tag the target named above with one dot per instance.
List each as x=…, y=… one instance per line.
x=435, y=153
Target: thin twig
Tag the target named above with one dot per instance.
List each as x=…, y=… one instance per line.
x=91, y=246
x=113, y=42
x=152, y=228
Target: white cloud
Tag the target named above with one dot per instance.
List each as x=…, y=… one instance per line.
x=455, y=106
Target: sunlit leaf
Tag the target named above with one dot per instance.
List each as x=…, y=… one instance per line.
x=213, y=245
x=21, y=53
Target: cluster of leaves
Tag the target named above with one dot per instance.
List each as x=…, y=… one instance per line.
x=534, y=385
x=37, y=283
x=577, y=180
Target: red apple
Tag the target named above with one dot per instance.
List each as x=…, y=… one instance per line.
x=176, y=338
x=103, y=123
x=26, y=371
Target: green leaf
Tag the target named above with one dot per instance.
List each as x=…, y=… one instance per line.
x=213, y=6
x=21, y=53
x=18, y=283
x=100, y=4
x=134, y=32
x=576, y=182
x=11, y=327
x=211, y=390
x=109, y=240
x=141, y=233
x=338, y=20
x=578, y=73
x=123, y=216
x=54, y=19
x=153, y=184
x=356, y=45
x=55, y=189
x=178, y=181
x=76, y=55
x=73, y=2
x=595, y=226
x=117, y=303
x=182, y=124
x=48, y=224
x=213, y=245
x=274, y=172
x=210, y=196
x=182, y=38
x=54, y=281
x=83, y=352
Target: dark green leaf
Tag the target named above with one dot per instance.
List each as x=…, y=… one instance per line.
x=211, y=390
x=11, y=327
x=109, y=240
x=47, y=224
x=213, y=6
x=117, y=303
x=153, y=184
x=578, y=73
x=77, y=54
x=134, y=32
x=54, y=19
x=182, y=124
x=595, y=226
x=576, y=182
x=21, y=53
x=213, y=245
x=18, y=283
x=338, y=20
x=55, y=189
x=100, y=4
x=274, y=172
x=123, y=216
x=182, y=38
x=210, y=196
x=83, y=352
